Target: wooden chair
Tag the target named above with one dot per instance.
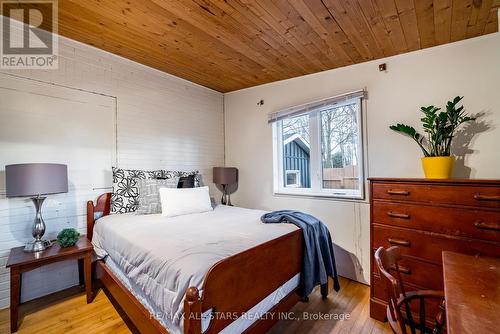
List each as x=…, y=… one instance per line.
x=399, y=301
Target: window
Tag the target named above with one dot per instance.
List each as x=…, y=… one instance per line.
x=292, y=178
x=318, y=148
x=295, y=148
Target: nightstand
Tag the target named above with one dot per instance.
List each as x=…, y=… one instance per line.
x=21, y=261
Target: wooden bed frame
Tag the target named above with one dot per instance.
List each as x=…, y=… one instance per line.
x=233, y=285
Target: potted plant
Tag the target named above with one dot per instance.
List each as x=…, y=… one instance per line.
x=440, y=128
x=68, y=237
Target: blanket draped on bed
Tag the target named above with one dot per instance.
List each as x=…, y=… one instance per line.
x=319, y=261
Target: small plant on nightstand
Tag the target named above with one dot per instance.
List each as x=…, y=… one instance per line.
x=68, y=237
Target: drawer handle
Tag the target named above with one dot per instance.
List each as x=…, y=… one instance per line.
x=480, y=197
x=398, y=192
x=402, y=270
x=405, y=243
x=398, y=215
x=485, y=226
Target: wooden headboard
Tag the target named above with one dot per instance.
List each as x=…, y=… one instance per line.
x=94, y=212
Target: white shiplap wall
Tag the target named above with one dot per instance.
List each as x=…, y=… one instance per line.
x=162, y=122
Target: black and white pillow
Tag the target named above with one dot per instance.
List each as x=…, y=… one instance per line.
x=186, y=181
x=149, y=194
x=182, y=175
x=125, y=192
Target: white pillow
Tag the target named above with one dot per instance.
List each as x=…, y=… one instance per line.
x=183, y=201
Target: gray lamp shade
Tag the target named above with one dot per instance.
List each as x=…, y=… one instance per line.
x=225, y=175
x=36, y=179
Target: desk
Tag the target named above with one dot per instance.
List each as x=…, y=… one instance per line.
x=472, y=293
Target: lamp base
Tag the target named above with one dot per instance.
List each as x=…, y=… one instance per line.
x=37, y=245
x=224, y=195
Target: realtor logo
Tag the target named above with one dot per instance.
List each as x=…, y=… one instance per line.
x=29, y=34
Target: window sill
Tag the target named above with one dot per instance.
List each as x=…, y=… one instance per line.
x=346, y=198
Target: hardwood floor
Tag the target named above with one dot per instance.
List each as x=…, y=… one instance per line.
x=352, y=300
x=67, y=313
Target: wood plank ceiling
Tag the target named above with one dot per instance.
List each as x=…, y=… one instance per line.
x=232, y=44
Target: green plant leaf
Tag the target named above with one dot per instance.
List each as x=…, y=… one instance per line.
x=411, y=132
x=440, y=127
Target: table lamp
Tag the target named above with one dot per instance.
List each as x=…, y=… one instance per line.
x=34, y=180
x=225, y=176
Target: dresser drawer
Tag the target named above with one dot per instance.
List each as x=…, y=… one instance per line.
x=470, y=195
x=425, y=217
x=474, y=223
x=427, y=246
x=416, y=272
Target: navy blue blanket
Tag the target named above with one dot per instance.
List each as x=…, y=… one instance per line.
x=319, y=261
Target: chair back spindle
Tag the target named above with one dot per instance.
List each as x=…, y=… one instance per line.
x=387, y=261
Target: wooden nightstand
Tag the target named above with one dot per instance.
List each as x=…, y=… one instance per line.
x=20, y=261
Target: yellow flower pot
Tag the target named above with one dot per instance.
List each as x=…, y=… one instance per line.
x=438, y=167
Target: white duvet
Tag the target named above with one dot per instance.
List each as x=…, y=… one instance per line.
x=164, y=256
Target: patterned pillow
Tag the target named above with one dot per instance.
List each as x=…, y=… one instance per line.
x=186, y=181
x=124, y=197
x=149, y=194
x=167, y=174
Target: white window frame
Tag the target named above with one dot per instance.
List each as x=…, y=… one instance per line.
x=297, y=178
x=316, y=173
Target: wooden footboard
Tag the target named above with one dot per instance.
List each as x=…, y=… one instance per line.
x=237, y=283
x=231, y=287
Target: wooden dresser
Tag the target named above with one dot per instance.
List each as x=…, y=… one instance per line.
x=425, y=217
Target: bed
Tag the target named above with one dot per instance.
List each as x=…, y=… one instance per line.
x=219, y=271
